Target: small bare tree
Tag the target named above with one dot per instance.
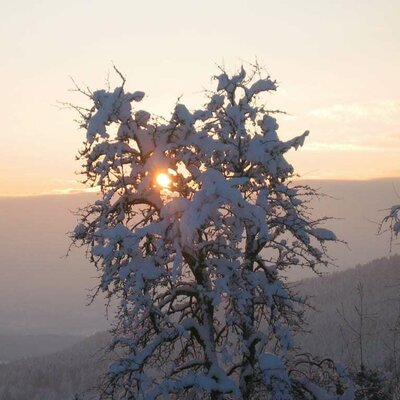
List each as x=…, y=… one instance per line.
x=360, y=329
x=372, y=385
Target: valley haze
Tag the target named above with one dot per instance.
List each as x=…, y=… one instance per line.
x=43, y=291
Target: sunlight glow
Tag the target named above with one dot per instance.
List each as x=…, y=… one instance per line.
x=163, y=180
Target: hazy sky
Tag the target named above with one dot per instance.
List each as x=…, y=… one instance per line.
x=337, y=63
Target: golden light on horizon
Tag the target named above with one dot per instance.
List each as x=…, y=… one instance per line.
x=163, y=180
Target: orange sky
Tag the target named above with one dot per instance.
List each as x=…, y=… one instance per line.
x=337, y=64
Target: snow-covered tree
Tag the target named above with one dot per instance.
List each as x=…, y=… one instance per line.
x=391, y=222
x=196, y=225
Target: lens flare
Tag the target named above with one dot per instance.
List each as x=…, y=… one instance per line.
x=163, y=180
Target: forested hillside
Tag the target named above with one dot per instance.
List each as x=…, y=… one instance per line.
x=335, y=324
x=13, y=347
x=77, y=370
x=58, y=376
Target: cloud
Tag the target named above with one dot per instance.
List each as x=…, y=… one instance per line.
x=65, y=180
x=385, y=111
x=95, y=189
x=351, y=147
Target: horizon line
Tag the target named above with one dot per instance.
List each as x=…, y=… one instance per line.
x=90, y=191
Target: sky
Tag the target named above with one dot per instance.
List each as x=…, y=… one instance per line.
x=336, y=62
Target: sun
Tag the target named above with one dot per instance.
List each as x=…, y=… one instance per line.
x=163, y=180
